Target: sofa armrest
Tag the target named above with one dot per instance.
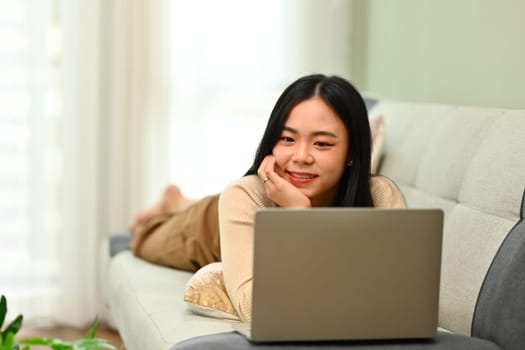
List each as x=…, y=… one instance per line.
x=118, y=242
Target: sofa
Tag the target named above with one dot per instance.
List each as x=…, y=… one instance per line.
x=468, y=161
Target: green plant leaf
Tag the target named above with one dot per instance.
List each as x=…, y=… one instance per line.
x=93, y=329
x=50, y=342
x=61, y=347
x=58, y=344
x=93, y=344
x=37, y=341
x=3, y=311
x=9, y=340
x=15, y=326
x=53, y=343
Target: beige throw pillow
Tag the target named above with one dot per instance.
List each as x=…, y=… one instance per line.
x=206, y=295
x=377, y=129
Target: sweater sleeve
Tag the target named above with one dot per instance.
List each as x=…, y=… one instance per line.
x=237, y=206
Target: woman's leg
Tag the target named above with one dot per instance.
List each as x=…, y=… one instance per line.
x=187, y=240
x=171, y=201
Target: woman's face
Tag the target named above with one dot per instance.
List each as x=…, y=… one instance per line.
x=312, y=152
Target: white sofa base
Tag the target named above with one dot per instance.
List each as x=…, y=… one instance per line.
x=147, y=306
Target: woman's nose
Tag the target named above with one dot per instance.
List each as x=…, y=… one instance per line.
x=302, y=154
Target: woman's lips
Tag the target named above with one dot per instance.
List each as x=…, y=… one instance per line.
x=301, y=177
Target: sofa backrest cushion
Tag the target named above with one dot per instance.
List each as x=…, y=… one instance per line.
x=468, y=161
x=500, y=310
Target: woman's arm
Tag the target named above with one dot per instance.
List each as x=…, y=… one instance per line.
x=237, y=206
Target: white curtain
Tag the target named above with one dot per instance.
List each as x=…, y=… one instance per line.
x=77, y=239
x=85, y=110
x=117, y=74
x=56, y=223
x=30, y=154
x=135, y=86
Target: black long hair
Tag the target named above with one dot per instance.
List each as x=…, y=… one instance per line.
x=348, y=104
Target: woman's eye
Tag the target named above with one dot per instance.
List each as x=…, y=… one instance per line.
x=322, y=144
x=287, y=139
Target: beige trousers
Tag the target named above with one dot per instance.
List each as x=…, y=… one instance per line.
x=186, y=240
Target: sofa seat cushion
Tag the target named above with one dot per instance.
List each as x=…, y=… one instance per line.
x=235, y=341
x=147, y=304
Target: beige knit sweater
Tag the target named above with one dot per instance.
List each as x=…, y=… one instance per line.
x=237, y=206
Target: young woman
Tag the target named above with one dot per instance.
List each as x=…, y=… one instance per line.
x=315, y=152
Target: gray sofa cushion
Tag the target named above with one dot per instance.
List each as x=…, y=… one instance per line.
x=118, y=242
x=235, y=341
x=500, y=310
x=370, y=102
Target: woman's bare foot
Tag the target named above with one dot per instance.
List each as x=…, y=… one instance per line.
x=171, y=201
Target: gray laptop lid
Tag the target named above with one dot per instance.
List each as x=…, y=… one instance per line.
x=346, y=273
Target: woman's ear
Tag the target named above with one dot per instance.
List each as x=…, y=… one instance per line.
x=350, y=162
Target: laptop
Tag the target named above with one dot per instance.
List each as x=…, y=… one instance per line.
x=345, y=274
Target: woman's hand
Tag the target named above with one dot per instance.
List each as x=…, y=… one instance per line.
x=283, y=193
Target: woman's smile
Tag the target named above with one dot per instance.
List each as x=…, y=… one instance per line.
x=297, y=177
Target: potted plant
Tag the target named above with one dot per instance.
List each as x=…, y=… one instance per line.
x=8, y=341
